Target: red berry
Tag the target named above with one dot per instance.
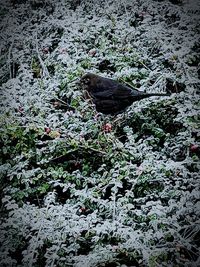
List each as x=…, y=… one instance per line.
x=45, y=50
x=107, y=128
x=63, y=50
x=77, y=164
x=92, y=52
x=20, y=109
x=47, y=130
x=194, y=148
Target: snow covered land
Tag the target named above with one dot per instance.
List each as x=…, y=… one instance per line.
x=83, y=189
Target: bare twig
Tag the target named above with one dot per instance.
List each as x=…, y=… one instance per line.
x=73, y=150
x=93, y=149
x=9, y=59
x=62, y=104
x=44, y=68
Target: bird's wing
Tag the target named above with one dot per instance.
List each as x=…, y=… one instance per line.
x=123, y=92
x=105, y=94
x=114, y=90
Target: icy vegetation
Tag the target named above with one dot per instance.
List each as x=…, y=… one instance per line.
x=83, y=189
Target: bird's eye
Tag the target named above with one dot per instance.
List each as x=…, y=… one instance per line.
x=86, y=81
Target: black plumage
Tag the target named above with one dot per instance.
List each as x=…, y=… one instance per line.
x=110, y=96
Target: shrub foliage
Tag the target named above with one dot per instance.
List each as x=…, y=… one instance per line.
x=84, y=189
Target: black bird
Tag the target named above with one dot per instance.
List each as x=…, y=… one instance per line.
x=110, y=96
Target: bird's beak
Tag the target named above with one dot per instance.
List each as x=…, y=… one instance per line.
x=81, y=80
x=74, y=80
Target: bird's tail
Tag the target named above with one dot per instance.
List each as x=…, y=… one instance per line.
x=157, y=94
x=146, y=95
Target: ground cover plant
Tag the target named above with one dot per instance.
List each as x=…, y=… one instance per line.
x=83, y=189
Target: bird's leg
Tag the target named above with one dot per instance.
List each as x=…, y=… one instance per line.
x=121, y=117
x=125, y=115
x=118, y=121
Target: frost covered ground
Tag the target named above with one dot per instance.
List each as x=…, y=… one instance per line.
x=85, y=190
